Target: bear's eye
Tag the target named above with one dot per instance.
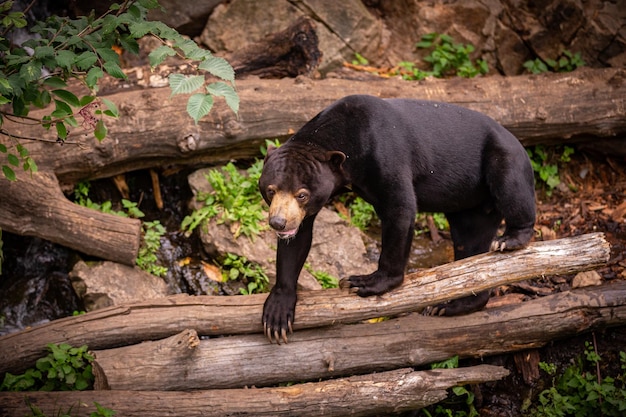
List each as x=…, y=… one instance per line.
x=302, y=196
x=270, y=192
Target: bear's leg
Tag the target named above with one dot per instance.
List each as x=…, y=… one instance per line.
x=472, y=233
x=397, y=235
x=512, y=187
x=280, y=305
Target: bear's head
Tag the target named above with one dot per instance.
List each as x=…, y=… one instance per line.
x=297, y=180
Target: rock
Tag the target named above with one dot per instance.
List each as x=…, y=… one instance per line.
x=586, y=279
x=337, y=247
x=188, y=17
x=105, y=284
x=343, y=29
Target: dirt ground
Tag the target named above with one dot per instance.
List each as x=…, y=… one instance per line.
x=591, y=198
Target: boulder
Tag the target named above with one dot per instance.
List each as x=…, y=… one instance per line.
x=103, y=284
x=343, y=27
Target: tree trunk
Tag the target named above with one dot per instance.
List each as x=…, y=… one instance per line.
x=411, y=340
x=219, y=315
x=366, y=395
x=35, y=206
x=154, y=130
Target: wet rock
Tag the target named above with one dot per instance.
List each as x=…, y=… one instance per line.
x=105, y=284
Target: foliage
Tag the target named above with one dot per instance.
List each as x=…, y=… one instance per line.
x=234, y=200
x=147, y=257
x=566, y=63
x=544, y=165
x=36, y=73
x=359, y=59
x=152, y=231
x=463, y=408
x=581, y=391
x=238, y=267
x=324, y=278
x=65, y=368
x=449, y=58
x=362, y=213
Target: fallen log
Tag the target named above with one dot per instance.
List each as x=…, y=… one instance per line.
x=367, y=395
x=219, y=315
x=34, y=205
x=154, y=130
x=182, y=362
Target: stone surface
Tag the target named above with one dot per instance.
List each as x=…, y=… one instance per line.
x=105, y=284
x=343, y=29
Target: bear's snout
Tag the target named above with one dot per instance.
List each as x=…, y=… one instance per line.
x=278, y=223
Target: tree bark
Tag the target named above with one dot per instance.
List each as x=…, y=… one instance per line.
x=219, y=315
x=410, y=340
x=154, y=130
x=366, y=395
x=35, y=206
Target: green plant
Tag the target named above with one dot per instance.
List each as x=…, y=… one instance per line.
x=362, y=213
x=449, y=58
x=238, y=267
x=567, y=62
x=462, y=401
x=147, y=257
x=581, y=391
x=62, y=49
x=359, y=59
x=64, y=368
x=234, y=200
x=324, y=278
x=100, y=411
x=152, y=231
x=544, y=165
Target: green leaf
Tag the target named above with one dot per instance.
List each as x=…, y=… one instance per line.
x=67, y=96
x=109, y=24
x=3, y=148
x=55, y=82
x=61, y=109
x=199, y=105
x=181, y=84
x=30, y=71
x=159, y=54
x=228, y=92
x=61, y=130
x=114, y=70
x=218, y=67
x=65, y=59
x=13, y=160
x=111, y=108
x=85, y=60
x=43, y=51
x=93, y=75
x=84, y=100
x=8, y=173
x=140, y=29
x=100, y=132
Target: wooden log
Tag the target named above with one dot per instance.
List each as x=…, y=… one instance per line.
x=219, y=315
x=154, y=129
x=367, y=395
x=410, y=340
x=35, y=206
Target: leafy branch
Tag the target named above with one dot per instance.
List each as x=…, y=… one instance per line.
x=36, y=73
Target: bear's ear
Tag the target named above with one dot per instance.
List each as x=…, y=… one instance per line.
x=336, y=159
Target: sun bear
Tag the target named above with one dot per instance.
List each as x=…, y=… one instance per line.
x=401, y=156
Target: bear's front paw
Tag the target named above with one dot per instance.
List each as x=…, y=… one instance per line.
x=278, y=315
x=375, y=283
